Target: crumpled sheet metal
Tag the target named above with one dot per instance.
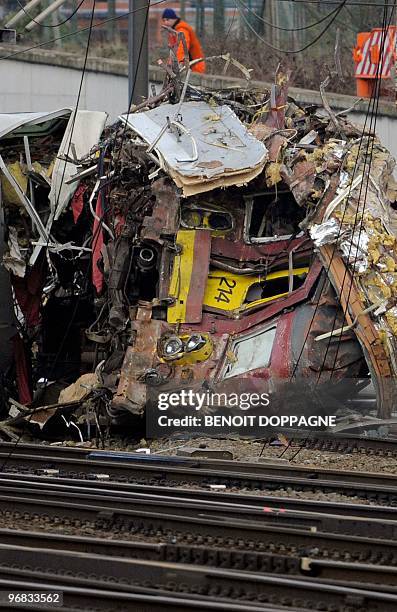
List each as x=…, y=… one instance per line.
x=84, y=131
x=140, y=359
x=13, y=260
x=362, y=263
x=12, y=121
x=203, y=148
x=349, y=221
x=348, y=207
x=325, y=233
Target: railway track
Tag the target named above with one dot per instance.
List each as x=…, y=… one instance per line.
x=78, y=597
x=330, y=442
x=139, y=533
x=234, y=476
x=218, y=526
x=379, y=520
x=249, y=560
x=263, y=502
x=178, y=580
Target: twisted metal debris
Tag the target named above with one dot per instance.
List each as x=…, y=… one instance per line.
x=211, y=239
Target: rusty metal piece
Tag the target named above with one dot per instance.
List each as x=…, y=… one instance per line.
x=138, y=362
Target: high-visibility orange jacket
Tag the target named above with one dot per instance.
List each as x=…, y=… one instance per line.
x=193, y=45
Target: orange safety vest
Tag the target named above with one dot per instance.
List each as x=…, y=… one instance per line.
x=193, y=45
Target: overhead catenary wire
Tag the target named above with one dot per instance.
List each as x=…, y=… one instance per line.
x=54, y=25
x=276, y=27
x=368, y=113
x=371, y=140
x=81, y=30
x=290, y=51
x=229, y=30
x=375, y=100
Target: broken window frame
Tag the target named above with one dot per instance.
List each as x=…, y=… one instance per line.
x=228, y=365
x=249, y=205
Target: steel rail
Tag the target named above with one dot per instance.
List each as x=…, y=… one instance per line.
x=180, y=580
x=56, y=492
x=214, y=531
x=198, y=555
x=336, y=442
x=266, y=503
x=82, y=598
x=308, y=439
x=237, y=475
x=272, y=465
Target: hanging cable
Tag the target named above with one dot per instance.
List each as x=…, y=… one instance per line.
x=276, y=27
x=291, y=51
x=81, y=30
x=367, y=174
x=54, y=25
x=375, y=100
x=369, y=113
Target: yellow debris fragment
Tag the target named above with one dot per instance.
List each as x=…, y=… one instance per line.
x=9, y=194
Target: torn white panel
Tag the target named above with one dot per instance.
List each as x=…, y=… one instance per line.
x=204, y=147
x=13, y=260
x=9, y=122
x=83, y=131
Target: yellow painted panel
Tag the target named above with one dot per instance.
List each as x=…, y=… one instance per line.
x=181, y=276
x=228, y=291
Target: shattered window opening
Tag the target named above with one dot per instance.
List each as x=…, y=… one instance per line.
x=272, y=215
x=251, y=352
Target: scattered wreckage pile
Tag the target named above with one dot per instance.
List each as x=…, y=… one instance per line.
x=226, y=240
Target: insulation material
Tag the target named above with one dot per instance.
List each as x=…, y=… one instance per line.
x=325, y=233
x=9, y=195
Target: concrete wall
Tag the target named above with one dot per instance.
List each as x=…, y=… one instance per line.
x=39, y=87
x=47, y=80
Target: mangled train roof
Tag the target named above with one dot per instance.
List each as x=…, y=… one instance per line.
x=201, y=146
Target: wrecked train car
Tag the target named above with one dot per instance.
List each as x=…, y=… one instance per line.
x=237, y=242
x=45, y=248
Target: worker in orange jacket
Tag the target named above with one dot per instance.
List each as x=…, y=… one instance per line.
x=171, y=20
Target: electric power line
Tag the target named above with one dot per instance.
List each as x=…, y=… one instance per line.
x=375, y=102
x=375, y=99
x=372, y=129
x=368, y=113
x=79, y=31
x=276, y=27
x=291, y=51
x=55, y=25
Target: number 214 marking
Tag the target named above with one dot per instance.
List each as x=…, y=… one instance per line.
x=225, y=289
